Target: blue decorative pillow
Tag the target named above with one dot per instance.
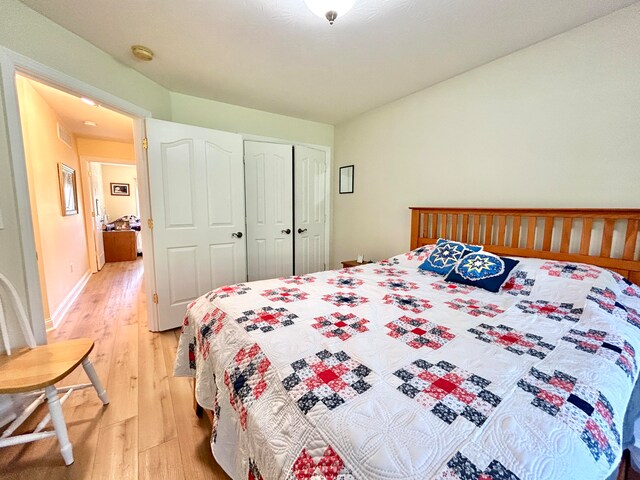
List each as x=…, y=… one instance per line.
x=446, y=255
x=482, y=270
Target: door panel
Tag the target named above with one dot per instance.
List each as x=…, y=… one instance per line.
x=97, y=203
x=310, y=217
x=197, y=198
x=269, y=192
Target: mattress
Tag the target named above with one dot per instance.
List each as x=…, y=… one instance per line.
x=385, y=371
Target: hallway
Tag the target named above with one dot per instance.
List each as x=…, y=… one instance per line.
x=149, y=430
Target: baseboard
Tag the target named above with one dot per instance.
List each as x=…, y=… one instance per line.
x=61, y=311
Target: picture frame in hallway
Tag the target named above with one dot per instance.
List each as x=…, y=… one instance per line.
x=120, y=189
x=68, y=190
x=346, y=179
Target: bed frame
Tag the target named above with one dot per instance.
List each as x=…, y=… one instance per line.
x=606, y=238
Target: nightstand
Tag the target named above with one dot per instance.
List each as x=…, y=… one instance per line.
x=354, y=263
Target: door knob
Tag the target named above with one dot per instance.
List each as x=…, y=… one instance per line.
x=302, y=230
x=237, y=235
x=287, y=231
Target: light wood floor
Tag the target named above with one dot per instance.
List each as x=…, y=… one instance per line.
x=149, y=430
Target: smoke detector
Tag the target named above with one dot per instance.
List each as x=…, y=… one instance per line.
x=142, y=53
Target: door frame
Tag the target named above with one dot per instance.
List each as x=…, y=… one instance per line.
x=12, y=63
x=328, y=172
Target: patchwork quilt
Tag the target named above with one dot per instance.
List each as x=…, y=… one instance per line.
x=388, y=372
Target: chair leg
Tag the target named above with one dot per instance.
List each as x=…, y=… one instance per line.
x=59, y=425
x=93, y=376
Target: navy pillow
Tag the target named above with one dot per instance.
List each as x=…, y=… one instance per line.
x=482, y=270
x=446, y=255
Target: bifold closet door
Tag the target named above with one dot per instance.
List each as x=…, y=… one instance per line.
x=269, y=199
x=310, y=166
x=196, y=183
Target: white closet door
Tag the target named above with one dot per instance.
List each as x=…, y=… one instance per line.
x=197, y=198
x=310, y=167
x=97, y=194
x=269, y=192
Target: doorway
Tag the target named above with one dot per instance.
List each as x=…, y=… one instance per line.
x=66, y=138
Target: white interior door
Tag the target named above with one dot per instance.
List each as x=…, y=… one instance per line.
x=310, y=166
x=97, y=199
x=197, y=202
x=269, y=191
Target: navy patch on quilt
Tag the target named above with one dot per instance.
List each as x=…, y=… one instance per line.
x=418, y=332
x=228, y=291
x=267, y=319
x=407, y=302
x=284, y=294
x=553, y=311
x=512, y=340
x=475, y=308
x=519, y=284
x=345, y=282
x=299, y=279
x=327, y=378
x=452, y=288
x=584, y=409
x=398, y=285
x=345, y=299
x=628, y=288
x=605, y=345
x=340, y=325
x=245, y=379
x=575, y=271
x=607, y=300
x=461, y=468
x=448, y=391
x=254, y=473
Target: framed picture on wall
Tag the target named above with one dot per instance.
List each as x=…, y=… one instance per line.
x=68, y=189
x=120, y=189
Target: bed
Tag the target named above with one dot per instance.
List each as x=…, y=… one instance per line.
x=386, y=371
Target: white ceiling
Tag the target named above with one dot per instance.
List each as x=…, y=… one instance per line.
x=73, y=112
x=275, y=55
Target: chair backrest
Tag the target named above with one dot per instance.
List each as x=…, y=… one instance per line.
x=19, y=310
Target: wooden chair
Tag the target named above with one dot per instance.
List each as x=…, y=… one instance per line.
x=35, y=369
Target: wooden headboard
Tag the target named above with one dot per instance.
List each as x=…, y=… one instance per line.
x=604, y=237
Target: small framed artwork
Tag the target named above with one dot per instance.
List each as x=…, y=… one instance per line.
x=120, y=189
x=68, y=189
x=346, y=179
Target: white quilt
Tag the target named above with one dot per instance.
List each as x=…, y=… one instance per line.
x=387, y=372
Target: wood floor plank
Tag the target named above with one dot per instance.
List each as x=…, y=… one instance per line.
x=117, y=452
x=156, y=463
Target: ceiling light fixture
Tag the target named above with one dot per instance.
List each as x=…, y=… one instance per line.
x=89, y=123
x=330, y=9
x=89, y=102
x=142, y=53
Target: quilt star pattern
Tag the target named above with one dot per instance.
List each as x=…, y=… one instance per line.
x=299, y=279
x=447, y=391
x=345, y=282
x=573, y=271
x=520, y=284
x=340, y=325
x=513, y=340
x=584, y=409
x=554, y=311
x=419, y=332
x=284, y=294
x=612, y=347
x=228, y=291
x=246, y=379
x=326, y=378
x=407, y=302
x=266, y=319
x=398, y=285
x=475, y=308
x=358, y=374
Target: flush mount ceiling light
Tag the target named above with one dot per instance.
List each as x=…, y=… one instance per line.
x=89, y=123
x=89, y=102
x=142, y=53
x=330, y=9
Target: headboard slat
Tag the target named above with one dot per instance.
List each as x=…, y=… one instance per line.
x=551, y=240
